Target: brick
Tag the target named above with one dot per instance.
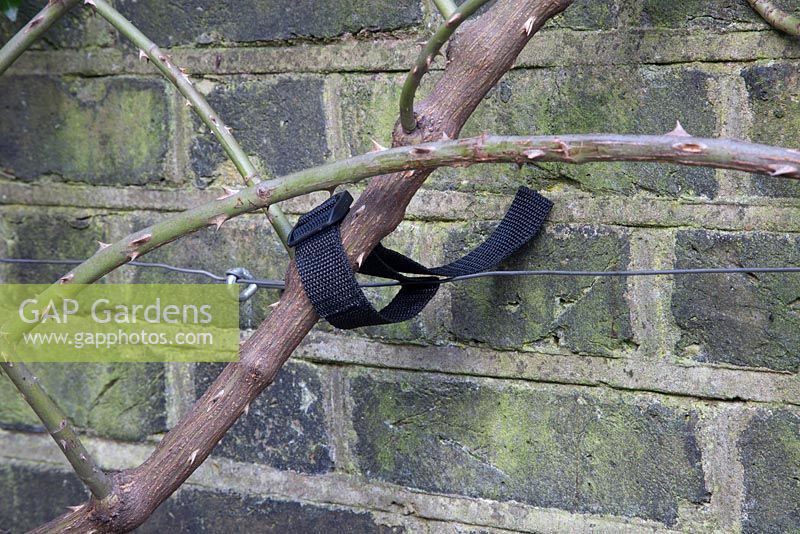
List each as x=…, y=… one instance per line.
x=280, y=121
x=52, y=234
x=246, y=241
x=770, y=452
x=748, y=320
x=99, y=130
x=775, y=102
x=589, y=15
x=582, y=314
x=78, y=28
x=122, y=400
x=208, y=21
x=554, y=447
x=556, y=101
x=193, y=510
x=591, y=99
x=699, y=14
x=285, y=427
x=34, y=495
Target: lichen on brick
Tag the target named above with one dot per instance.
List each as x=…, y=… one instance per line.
x=572, y=449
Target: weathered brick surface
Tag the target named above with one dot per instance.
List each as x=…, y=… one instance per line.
x=552, y=447
x=280, y=121
x=77, y=29
x=586, y=100
x=770, y=454
x=102, y=131
x=590, y=15
x=206, y=21
x=51, y=234
x=121, y=400
x=699, y=14
x=565, y=100
x=750, y=320
x=246, y=242
x=582, y=314
x=32, y=496
x=207, y=511
x=775, y=101
x=625, y=456
x=285, y=427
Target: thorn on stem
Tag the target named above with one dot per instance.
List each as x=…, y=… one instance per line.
x=360, y=260
x=781, y=170
x=360, y=210
x=534, y=153
x=679, y=131
x=376, y=146
x=528, y=27
x=419, y=150
x=90, y=3
x=66, y=279
x=143, y=56
x=247, y=408
x=229, y=192
x=218, y=221
x=193, y=457
x=103, y=246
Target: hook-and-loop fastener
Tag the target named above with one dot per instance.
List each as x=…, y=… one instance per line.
x=331, y=284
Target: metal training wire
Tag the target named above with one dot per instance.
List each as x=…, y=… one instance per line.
x=279, y=284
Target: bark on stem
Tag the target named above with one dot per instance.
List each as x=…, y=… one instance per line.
x=142, y=489
x=148, y=50
x=776, y=17
x=33, y=30
x=469, y=75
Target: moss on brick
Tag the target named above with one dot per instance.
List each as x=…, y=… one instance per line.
x=550, y=447
x=775, y=102
x=699, y=14
x=101, y=131
x=50, y=234
x=123, y=401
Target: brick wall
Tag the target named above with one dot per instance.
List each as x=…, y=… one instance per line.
x=535, y=405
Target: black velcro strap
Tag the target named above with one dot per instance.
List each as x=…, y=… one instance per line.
x=334, y=291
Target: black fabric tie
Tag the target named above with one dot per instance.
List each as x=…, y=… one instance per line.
x=333, y=289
